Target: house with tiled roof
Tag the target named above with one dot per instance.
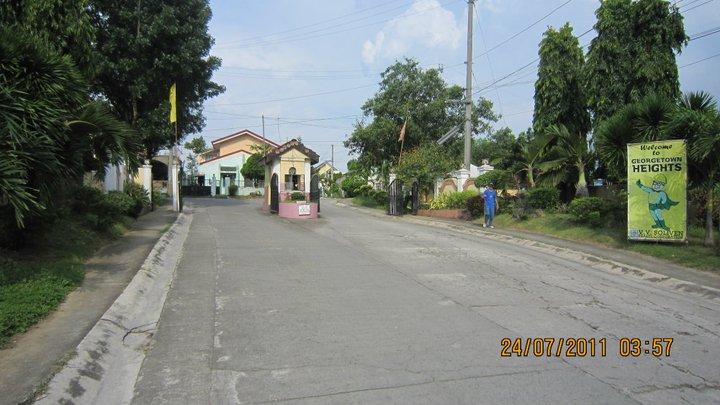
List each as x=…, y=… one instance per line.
x=223, y=162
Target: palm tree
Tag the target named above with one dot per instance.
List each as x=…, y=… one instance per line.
x=531, y=154
x=567, y=157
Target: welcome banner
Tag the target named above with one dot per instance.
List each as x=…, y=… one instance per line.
x=657, y=191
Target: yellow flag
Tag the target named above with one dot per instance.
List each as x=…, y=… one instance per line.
x=173, y=103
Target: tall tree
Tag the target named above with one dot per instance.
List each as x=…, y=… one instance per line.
x=64, y=25
x=559, y=96
x=430, y=106
x=633, y=54
x=52, y=133
x=145, y=46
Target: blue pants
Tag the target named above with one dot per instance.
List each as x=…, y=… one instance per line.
x=489, y=215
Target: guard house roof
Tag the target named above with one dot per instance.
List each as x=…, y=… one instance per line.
x=242, y=133
x=292, y=144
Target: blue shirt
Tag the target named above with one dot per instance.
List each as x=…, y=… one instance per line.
x=490, y=197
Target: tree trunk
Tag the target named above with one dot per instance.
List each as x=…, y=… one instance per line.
x=531, y=178
x=581, y=189
x=709, y=230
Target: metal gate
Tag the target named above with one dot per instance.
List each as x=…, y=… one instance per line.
x=315, y=190
x=396, y=198
x=274, y=194
x=415, y=197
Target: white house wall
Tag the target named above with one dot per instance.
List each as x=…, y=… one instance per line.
x=213, y=168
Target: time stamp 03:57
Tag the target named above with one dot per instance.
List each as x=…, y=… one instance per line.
x=584, y=347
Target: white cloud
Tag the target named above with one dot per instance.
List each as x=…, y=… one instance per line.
x=426, y=23
x=371, y=49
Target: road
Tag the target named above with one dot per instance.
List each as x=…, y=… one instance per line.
x=354, y=308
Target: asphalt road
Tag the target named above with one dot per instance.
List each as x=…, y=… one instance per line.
x=354, y=308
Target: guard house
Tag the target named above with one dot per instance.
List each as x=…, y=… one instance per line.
x=288, y=175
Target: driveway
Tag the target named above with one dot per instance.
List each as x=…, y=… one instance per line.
x=354, y=308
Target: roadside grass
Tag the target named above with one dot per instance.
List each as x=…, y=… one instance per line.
x=368, y=202
x=35, y=280
x=694, y=254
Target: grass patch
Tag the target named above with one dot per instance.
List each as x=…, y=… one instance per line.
x=693, y=255
x=365, y=201
x=35, y=280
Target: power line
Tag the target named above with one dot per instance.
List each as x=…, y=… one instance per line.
x=317, y=23
x=699, y=5
x=298, y=97
x=706, y=33
x=698, y=61
x=301, y=37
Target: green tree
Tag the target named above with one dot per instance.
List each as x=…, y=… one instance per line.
x=196, y=145
x=143, y=47
x=633, y=54
x=694, y=118
x=52, y=133
x=425, y=164
x=64, y=25
x=499, y=147
x=559, y=96
x=254, y=167
x=430, y=106
x=566, y=158
x=530, y=159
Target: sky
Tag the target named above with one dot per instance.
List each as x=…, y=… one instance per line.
x=309, y=65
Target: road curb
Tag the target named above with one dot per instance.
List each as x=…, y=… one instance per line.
x=590, y=260
x=110, y=356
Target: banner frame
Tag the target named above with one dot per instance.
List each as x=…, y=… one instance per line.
x=685, y=179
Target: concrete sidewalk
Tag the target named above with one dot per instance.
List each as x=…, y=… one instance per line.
x=37, y=354
x=666, y=268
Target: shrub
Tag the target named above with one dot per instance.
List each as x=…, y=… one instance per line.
x=542, y=198
x=297, y=196
x=120, y=203
x=233, y=189
x=380, y=197
x=476, y=206
x=351, y=184
x=365, y=190
x=160, y=198
x=139, y=196
x=589, y=210
x=334, y=191
x=453, y=200
x=501, y=179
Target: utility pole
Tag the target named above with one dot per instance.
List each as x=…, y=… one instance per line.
x=332, y=160
x=263, y=125
x=468, y=87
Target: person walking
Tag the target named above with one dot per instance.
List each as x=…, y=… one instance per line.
x=491, y=205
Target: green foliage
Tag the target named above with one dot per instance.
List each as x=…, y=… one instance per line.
x=633, y=54
x=500, y=148
x=51, y=134
x=121, y=203
x=159, y=199
x=141, y=49
x=351, y=183
x=430, y=106
x=500, y=179
x=452, y=200
x=559, y=95
x=139, y=195
x=254, y=167
x=233, y=189
x=425, y=163
x=589, y=210
x=475, y=206
x=565, y=159
x=297, y=196
x=196, y=145
x=542, y=198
